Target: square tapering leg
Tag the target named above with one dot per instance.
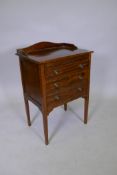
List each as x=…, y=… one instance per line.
x=27, y=111
x=86, y=103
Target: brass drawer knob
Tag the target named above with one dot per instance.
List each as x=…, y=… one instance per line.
x=81, y=66
x=56, y=72
x=80, y=77
x=79, y=89
x=56, y=97
x=56, y=85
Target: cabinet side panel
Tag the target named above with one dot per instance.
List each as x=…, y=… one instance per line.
x=30, y=79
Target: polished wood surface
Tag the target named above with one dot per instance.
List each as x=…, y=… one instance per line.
x=54, y=74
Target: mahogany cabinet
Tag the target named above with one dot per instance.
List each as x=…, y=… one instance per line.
x=54, y=74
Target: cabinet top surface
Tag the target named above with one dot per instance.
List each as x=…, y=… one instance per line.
x=47, y=51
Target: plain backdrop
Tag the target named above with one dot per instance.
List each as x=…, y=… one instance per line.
x=92, y=25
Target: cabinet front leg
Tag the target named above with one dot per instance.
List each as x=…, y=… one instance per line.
x=86, y=103
x=27, y=110
x=45, y=125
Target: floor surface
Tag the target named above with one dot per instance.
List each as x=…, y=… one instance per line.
x=74, y=148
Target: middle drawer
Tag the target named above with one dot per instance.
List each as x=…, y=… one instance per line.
x=66, y=81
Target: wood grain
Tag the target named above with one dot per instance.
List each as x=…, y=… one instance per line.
x=54, y=74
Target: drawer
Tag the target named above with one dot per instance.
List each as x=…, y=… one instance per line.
x=65, y=95
x=54, y=70
x=64, y=90
x=65, y=76
x=71, y=79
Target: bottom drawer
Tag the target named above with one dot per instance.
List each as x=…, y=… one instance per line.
x=59, y=98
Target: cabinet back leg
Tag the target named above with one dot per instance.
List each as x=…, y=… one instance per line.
x=27, y=111
x=65, y=106
x=45, y=126
x=86, y=102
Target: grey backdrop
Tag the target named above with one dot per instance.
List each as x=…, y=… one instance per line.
x=74, y=148
x=90, y=24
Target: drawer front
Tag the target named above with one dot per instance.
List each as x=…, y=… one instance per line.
x=65, y=95
x=53, y=71
x=68, y=80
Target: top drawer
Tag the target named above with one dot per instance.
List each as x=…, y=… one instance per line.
x=59, y=67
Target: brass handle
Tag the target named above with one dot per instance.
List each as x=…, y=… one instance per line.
x=56, y=72
x=56, y=85
x=56, y=97
x=81, y=66
x=80, y=77
x=80, y=89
